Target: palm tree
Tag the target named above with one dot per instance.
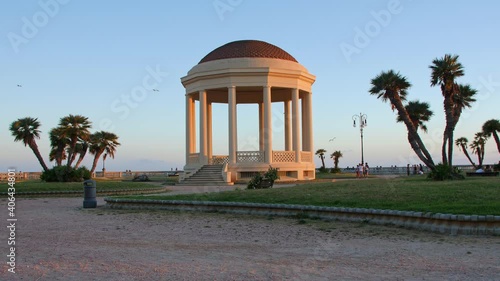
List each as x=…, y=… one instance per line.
x=58, y=143
x=463, y=99
x=391, y=86
x=444, y=72
x=491, y=127
x=336, y=156
x=101, y=142
x=478, y=147
x=26, y=130
x=419, y=113
x=321, y=153
x=462, y=144
x=74, y=127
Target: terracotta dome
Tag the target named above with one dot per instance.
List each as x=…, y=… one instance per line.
x=248, y=49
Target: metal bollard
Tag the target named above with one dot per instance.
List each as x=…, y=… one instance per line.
x=89, y=190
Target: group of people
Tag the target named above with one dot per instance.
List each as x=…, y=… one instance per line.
x=417, y=169
x=362, y=170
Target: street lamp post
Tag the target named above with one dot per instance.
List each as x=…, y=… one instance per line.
x=362, y=124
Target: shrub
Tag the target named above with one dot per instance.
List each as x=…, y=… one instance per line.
x=443, y=172
x=271, y=175
x=65, y=174
x=255, y=182
x=335, y=170
x=323, y=170
x=496, y=167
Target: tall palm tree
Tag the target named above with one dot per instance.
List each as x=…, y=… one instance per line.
x=491, y=127
x=321, y=153
x=478, y=147
x=462, y=144
x=336, y=155
x=419, y=113
x=391, y=86
x=26, y=130
x=101, y=142
x=74, y=127
x=444, y=72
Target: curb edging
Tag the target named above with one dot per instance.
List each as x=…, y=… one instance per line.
x=433, y=222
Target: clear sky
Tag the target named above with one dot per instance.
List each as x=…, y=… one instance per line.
x=88, y=57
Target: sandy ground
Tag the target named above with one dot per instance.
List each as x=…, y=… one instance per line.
x=58, y=240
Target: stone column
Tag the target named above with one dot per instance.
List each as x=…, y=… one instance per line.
x=193, y=125
x=309, y=122
x=305, y=131
x=203, y=128
x=189, y=127
x=209, y=132
x=295, y=124
x=268, y=129
x=232, y=130
x=288, y=126
x=261, y=126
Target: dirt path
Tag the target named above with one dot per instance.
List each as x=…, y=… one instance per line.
x=58, y=240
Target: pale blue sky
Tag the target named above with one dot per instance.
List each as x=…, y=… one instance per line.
x=85, y=55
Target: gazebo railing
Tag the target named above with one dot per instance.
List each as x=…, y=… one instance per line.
x=283, y=156
x=219, y=160
x=250, y=156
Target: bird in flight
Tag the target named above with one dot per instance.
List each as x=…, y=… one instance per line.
x=19, y=85
x=156, y=90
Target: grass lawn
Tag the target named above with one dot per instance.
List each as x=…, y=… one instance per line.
x=480, y=196
x=39, y=186
x=352, y=175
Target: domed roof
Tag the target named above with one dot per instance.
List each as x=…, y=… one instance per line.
x=247, y=49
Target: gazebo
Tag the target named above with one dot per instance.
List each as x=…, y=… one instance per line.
x=250, y=72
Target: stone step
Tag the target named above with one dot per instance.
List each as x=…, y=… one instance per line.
x=207, y=175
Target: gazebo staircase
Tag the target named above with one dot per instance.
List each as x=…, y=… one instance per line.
x=207, y=175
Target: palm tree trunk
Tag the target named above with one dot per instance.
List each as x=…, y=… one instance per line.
x=464, y=149
x=414, y=145
x=450, y=149
x=479, y=159
x=80, y=159
x=413, y=137
x=448, y=131
x=444, y=157
x=96, y=159
x=59, y=154
x=497, y=140
x=323, y=161
x=34, y=147
x=71, y=152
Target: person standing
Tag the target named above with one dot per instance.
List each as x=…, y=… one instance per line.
x=366, y=170
x=408, y=169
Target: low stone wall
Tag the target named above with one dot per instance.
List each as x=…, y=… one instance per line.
x=72, y=193
x=442, y=223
